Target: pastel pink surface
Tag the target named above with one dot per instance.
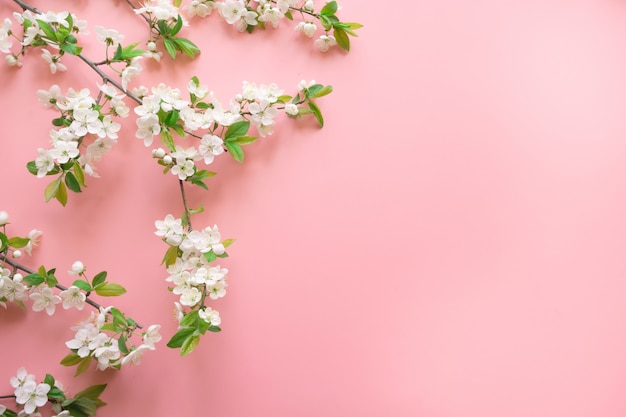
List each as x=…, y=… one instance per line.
x=450, y=244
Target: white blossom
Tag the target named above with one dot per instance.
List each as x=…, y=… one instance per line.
x=73, y=297
x=45, y=299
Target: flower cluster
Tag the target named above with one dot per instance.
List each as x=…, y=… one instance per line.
x=246, y=15
x=194, y=278
x=30, y=396
x=217, y=127
x=86, y=131
x=104, y=337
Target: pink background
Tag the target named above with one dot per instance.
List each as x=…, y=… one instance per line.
x=451, y=244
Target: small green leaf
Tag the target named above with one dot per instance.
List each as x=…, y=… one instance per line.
x=235, y=150
x=163, y=29
x=237, y=129
x=34, y=279
x=171, y=118
x=189, y=345
x=329, y=8
x=320, y=92
x=228, y=242
x=187, y=47
x=83, y=365
x=52, y=189
x=83, y=285
x=31, y=166
x=168, y=140
x=245, y=140
x=180, y=336
x=99, y=278
x=177, y=27
x=210, y=256
x=71, y=359
x=170, y=47
x=61, y=194
x=47, y=30
x=18, y=242
x=72, y=182
x=317, y=113
x=71, y=49
x=110, y=290
x=342, y=38
x=79, y=174
x=48, y=379
x=4, y=242
x=190, y=319
x=92, y=392
x=121, y=344
x=288, y=15
x=170, y=256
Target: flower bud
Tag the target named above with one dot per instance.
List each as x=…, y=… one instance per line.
x=309, y=6
x=4, y=218
x=151, y=46
x=17, y=253
x=167, y=159
x=12, y=61
x=77, y=268
x=158, y=153
x=291, y=109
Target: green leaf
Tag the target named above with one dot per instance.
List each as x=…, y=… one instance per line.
x=99, y=278
x=245, y=140
x=170, y=256
x=118, y=53
x=171, y=118
x=180, y=336
x=59, y=121
x=93, y=392
x=237, y=129
x=71, y=359
x=179, y=129
x=61, y=194
x=329, y=8
x=72, y=182
x=320, y=92
x=187, y=47
x=235, y=151
x=353, y=25
x=71, y=49
x=168, y=140
x=83, y=285
x=317, y=113
x=48, y=379
x=121, y=344
x=288, y=15
x=170, y=47
x=47, y=30
x=31, y=166
x=177, y=27
x=342, y=38
x=18, y=242
x=34, y=279
x=4, y=242
x=83, y=365
x=51, y=280
x=110, y=290
x=190, y=319
x=210, y=256
x=79, y=174
x=228, y=242
x=52, y=189
x=189, y=345
x=163, y=28
x=56, y=394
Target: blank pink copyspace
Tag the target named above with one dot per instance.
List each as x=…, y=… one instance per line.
x=450, y=244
